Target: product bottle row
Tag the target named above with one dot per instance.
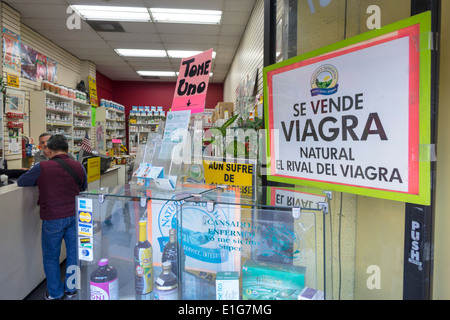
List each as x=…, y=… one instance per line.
x=73, y=117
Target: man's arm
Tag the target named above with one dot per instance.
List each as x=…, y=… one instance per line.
x=30, y=177
x=85, y=184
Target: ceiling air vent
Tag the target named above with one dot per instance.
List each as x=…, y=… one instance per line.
x=105, y=26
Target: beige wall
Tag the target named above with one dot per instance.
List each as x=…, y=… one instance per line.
x=441, y=272
x=250, y=55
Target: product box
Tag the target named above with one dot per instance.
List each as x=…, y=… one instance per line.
x=227, y=285
x=269, y=281
x=224, y=110
x=208, y=117
x=311, y=294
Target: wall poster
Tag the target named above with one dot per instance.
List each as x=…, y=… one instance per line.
x=355, y=116
x=11, y=50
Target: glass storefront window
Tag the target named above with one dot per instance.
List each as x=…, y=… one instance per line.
x=365, y=236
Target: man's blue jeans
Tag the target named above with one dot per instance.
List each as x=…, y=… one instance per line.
x=53, y=232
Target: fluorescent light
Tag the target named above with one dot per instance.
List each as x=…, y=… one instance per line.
x=210, y=74
x=185, y=53
x=157, y=73
x=141, y=53
x=186, y=16
x=111, y=13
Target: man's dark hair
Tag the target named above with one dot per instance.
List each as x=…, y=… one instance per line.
x=58, y=142
x=44, y=134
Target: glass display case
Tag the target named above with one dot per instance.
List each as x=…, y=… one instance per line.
x=201, y=242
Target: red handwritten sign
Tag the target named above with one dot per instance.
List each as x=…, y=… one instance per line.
x=192, y=83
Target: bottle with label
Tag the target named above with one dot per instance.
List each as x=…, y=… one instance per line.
x=104, y=282
x=143, y=264
x=170, y=252
x=166, y=285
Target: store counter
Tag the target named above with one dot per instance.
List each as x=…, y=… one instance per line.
x=20, y=235
x=20, y=242
x=112, y=177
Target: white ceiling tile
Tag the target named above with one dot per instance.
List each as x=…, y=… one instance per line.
x=70, y=35
x=123, y=3
x=228, y=40
x=151, y=66
x=152, y=45
x=232, y=30
x=226, y=49
x=191, y=4
x=188, y=29
x=129, y=37
x=138, y=27
x=73, y=44
x=235, y=17
x=192, y=39
x=135, y=60
x=243, y=5
x=49, y=18
x=92, y=51
x=107, y=60
x=33, y=2
x=44, y=11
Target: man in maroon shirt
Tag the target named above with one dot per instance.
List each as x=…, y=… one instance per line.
x=57, y=192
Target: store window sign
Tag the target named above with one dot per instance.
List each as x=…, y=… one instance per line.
x=93, y=169
x=192, y=83
x=239, y=174
x=354, y=116
x=93, y=91
x=13, y=80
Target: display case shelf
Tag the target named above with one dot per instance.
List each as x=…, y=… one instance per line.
x=262, y=249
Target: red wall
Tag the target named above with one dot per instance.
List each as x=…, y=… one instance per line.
x=144, y=93
x=104, y=87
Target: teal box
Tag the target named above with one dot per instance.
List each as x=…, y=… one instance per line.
x=270, y=281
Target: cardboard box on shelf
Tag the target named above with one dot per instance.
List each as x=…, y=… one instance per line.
x=225, y=110
x=271, y=281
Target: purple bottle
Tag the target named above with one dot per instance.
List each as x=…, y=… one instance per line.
x=104, y=284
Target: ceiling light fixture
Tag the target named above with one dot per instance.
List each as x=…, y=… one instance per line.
x=157, y=73
x=141, y=53
x=112, y=13
x=186, y=16
x=185, y=53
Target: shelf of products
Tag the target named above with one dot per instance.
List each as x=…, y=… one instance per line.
x=141, y=121
x=82, y=123
x=111, y=116
x=59, y=114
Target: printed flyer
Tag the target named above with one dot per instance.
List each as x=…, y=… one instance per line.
x=11, y=50
x=28, y=62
